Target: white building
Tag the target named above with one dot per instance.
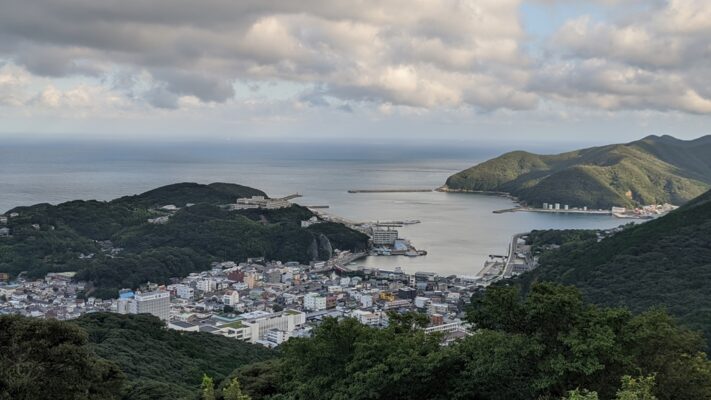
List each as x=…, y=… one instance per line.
x=314, y=302
x=255, y=326
x=230, y=298
x=260, y=202
x=421, y=302
x=276, y=336
x=206, y=285
x=384, y=237
x=367, y=317
x=366, y=301
x=154, y=303
x=184, y=291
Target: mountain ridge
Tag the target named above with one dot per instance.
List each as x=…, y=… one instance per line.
x=655, y=169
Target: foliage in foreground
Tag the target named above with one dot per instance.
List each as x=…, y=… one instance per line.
x=543, y=346
x=661, y=263
x=153, y=357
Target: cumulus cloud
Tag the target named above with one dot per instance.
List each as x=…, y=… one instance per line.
x=343, y=55
x=412, y=52
x=660, y=60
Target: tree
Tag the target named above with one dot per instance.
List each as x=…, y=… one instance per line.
x=636, y=388
x=207, y=388
x=578, y=394
x=234, y=392
x=47, y=359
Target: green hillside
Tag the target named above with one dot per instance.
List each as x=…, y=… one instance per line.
x=47, y=238
x=653, y=170
x=159, y=363
x=665, y=262
x=110, y=356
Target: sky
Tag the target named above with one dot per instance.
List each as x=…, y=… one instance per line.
x=423, y=71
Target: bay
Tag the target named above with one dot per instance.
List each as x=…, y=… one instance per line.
x=458, y=230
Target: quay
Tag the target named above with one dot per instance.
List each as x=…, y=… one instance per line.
x=389, y=190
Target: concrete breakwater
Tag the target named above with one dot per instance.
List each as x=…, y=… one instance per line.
x=389, y=190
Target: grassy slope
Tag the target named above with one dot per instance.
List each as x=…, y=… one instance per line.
x=651, y=170
x=665, y=262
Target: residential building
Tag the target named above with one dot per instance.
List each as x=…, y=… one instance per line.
x=314, y=302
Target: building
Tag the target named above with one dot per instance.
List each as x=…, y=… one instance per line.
x=260, y=202
x=230, y=298
x=183, y=326
x=384, y=237
x=257, y=325
x=314, y=302
x=276, y=336
x=4, y=232
x=206, y=285
x=367, y=317
x=184, y=291
x=154, y=303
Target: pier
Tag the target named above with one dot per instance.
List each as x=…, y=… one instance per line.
x=389, y=190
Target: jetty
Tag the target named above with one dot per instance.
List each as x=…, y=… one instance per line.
x=389, y=190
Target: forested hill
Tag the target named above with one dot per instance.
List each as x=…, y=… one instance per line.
x=665, y=262
x=113, y=244
x=652, y=170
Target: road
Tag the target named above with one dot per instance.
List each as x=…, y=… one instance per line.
x=508, y=269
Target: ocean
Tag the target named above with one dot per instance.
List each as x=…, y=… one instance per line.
x=458, y=230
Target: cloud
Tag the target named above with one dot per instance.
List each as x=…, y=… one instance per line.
x=433, y=55
x=386, y=57
x=658, y=60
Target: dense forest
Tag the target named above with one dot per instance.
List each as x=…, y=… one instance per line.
x=112, y=245
x=546, y=344
x=111, y=356
x=665, y=262
x=653, y=170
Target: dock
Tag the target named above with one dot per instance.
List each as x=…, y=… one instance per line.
x=389, y=190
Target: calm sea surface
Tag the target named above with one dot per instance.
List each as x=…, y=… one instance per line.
x=458, y=230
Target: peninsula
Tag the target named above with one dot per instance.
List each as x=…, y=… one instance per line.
x=653, y=170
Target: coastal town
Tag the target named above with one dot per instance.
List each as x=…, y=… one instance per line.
x=267, y=302
x=258, y=301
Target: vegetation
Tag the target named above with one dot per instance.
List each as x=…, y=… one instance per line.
x=48, y=238
x=548, y=344
x=653, y=170
x=42, y=359
x=540, y=240
x=163, y=364
x=665, y=262
x=544, y=345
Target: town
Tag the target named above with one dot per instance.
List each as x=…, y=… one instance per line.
x=267, y=302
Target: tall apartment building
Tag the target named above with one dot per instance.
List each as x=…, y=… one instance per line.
x=384, y=236
x=154, y=303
